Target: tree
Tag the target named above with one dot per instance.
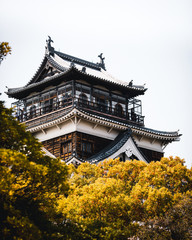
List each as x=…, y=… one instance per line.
x=178, y=220
x=100, y=209
x=121, y=200
x=176, y=224
x=13, y=136
x=30, y=184
x=4, y=50
x=42, y=198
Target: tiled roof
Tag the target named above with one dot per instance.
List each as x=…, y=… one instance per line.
x=89, y=68
x=76, y=60
x=33, y=85
x=162, y=135
x=113, y=147
x=39, y=70
x=140, y=129
x=65, y=63
x=174, y=134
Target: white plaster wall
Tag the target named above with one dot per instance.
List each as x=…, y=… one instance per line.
x=128, y=147
x=55, y=131
x=97, y=130
x=80, y=126
x=148, y=143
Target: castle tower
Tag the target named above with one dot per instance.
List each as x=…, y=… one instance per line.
x=81, y=113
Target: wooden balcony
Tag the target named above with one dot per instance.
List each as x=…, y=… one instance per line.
x=114, y=113
x=35, y=116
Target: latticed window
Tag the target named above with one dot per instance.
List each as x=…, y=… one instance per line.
x=32, y=111
x=86, y=147
x=118, y=110
x=102, y=104
x=83, y=100
x=66, y=147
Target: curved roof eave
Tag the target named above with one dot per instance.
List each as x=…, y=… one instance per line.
x=112, y=147
x=161, y=135
x=13, y=92
x=52, y=63
x=139, y=89
x=106, y=76
x=117, y=147
x=38, y=72
x=173, y=136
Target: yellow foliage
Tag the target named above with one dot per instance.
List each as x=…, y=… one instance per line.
x=4, y=50
x=123, y=194
x=42, y=198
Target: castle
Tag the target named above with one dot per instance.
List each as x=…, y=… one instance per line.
x=81, y=113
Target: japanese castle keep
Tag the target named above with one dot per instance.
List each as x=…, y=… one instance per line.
x=81, y=113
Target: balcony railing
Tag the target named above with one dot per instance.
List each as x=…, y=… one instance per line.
x=38, y=115
x=26, y=114
x=115, y=113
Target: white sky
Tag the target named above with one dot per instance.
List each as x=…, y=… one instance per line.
x=148, y=41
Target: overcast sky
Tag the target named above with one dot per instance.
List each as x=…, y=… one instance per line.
x=149, y=41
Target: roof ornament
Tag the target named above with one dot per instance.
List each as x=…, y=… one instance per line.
x=102, y=64
x=129, y=152
x=130, y=83
x=49, y=48
x=83, y=69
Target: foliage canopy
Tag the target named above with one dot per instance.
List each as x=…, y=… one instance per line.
x=120, y=200
x=29, y=185
x=4, y=50
x=42, y=198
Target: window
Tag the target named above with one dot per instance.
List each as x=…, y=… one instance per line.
x=47, y=106
x=65, y=89
x=118, y=110
x=66, y=147
x=86, y=147
x=64, y=99
x=83, y=100
x=133, y=115
x=102, y=104
x=32, y=111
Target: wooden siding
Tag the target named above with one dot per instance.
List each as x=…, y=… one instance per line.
x=78, y=144
x=54, y=145
x=97, y=144
x=152, y=155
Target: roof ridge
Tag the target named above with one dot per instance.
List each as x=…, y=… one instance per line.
x=78, y=60
x=55, y=64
